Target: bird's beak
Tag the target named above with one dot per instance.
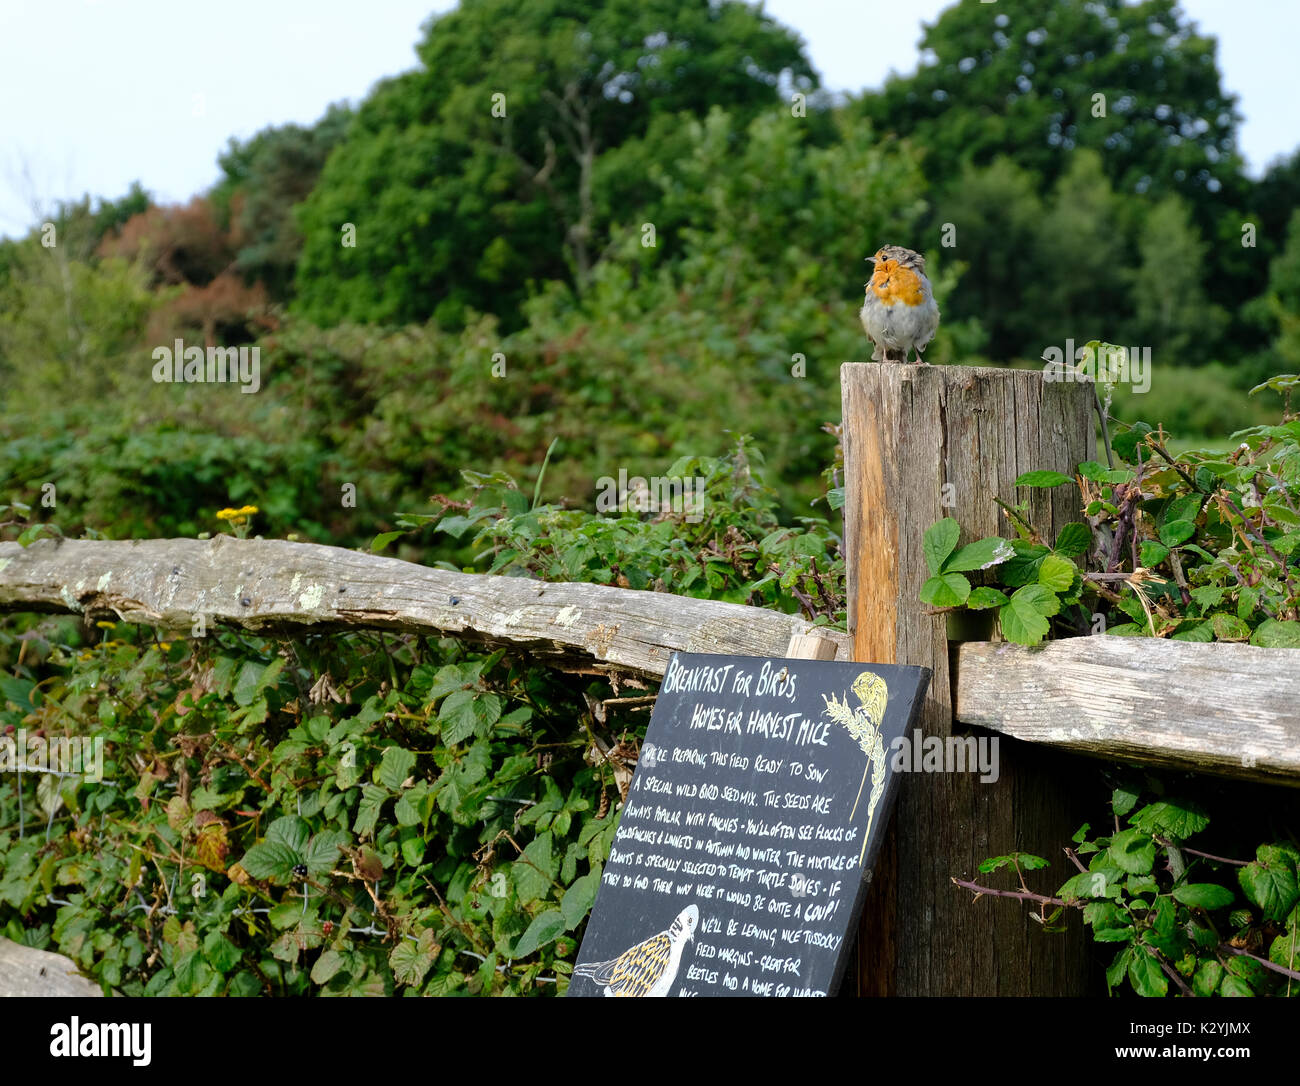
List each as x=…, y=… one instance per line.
x=873, y=259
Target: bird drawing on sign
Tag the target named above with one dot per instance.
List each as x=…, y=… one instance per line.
x=863, y=723
x=899, y=313
x=649, y=968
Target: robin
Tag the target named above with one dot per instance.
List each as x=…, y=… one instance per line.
x=899, y=312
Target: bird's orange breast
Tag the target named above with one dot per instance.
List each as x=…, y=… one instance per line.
x=891, y=282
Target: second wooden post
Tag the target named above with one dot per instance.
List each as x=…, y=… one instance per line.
x=922, y=443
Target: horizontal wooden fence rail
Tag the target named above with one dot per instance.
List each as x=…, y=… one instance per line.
x=1230, y=710
x=274, y=585
x=1227, y=709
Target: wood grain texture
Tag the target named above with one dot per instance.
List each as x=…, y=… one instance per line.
x=277, y=586
x=26, y=971
x=1231, y=710
x=922, y=443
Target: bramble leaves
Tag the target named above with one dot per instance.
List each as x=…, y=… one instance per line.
x=1145, y=890
x=939, y=542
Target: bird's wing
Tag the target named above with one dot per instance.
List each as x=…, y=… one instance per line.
x=636, y=970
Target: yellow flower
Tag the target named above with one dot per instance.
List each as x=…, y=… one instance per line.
x=248, y=509
x=107, y=625
x=165, y=646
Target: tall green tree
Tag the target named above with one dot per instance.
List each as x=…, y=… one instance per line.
x=1280, y=306
x=1172, y=313
x=1082, y=286
x=1037, y=79
x=994, y=214
x=265, y=178
x=481, y=170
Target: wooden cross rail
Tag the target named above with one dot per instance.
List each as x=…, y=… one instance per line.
x=277, y=586
x=1147, y=701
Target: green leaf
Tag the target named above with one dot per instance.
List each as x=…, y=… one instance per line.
x=1106, y=916
x=1208, y=596
x=1277, y=634
x=1203, y=895
x=544, y=929
x=1133, y=851
x=983, y=554
x=1174, y=532
x=454, y=525
x=1235, y=988
x=1022, y=624
x=381, y=541
x=221, y=953
x=191, y=972
x=434, y=685
x=246, y=684
x=579, y=898
x=1270, y=881
x=1074, y=540
x=1118, y=969
x=946, y=590
x=1042, y=479
x=410, y=960
x=1179, y=819
x=1285, y=950
x=18, y=691
x=982, y=598
x=412, y=806
x=468, y=712
x=322, y=851
x=270, y=860
x=394, y=768
x=285, y=915
x=413, y=846
x=1085, y=885
x=1207, y=978
x=1151, y=553
x=533, y=871
x=1137, y=885
x=1125, y=444
x=1146, y=976
x=1024, y=618
x=372, y=800
x=1187, y=508
x=1123, y=800
x=1056, y=573
x=327, y=966
x=939, y=542
x=1023, y=568
x=1229, y=627
x=290, y=831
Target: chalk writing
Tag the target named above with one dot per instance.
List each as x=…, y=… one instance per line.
x=752, y=809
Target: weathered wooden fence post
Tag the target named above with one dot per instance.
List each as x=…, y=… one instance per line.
x=922, y=443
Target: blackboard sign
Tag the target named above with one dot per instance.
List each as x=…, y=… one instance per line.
x=746, y=843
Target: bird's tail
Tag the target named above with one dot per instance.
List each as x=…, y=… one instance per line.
x=600, y=972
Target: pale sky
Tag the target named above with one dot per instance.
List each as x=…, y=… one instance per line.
x=97, y=93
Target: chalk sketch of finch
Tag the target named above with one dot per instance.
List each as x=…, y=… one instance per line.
x=649, y=968
x=863, y=723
